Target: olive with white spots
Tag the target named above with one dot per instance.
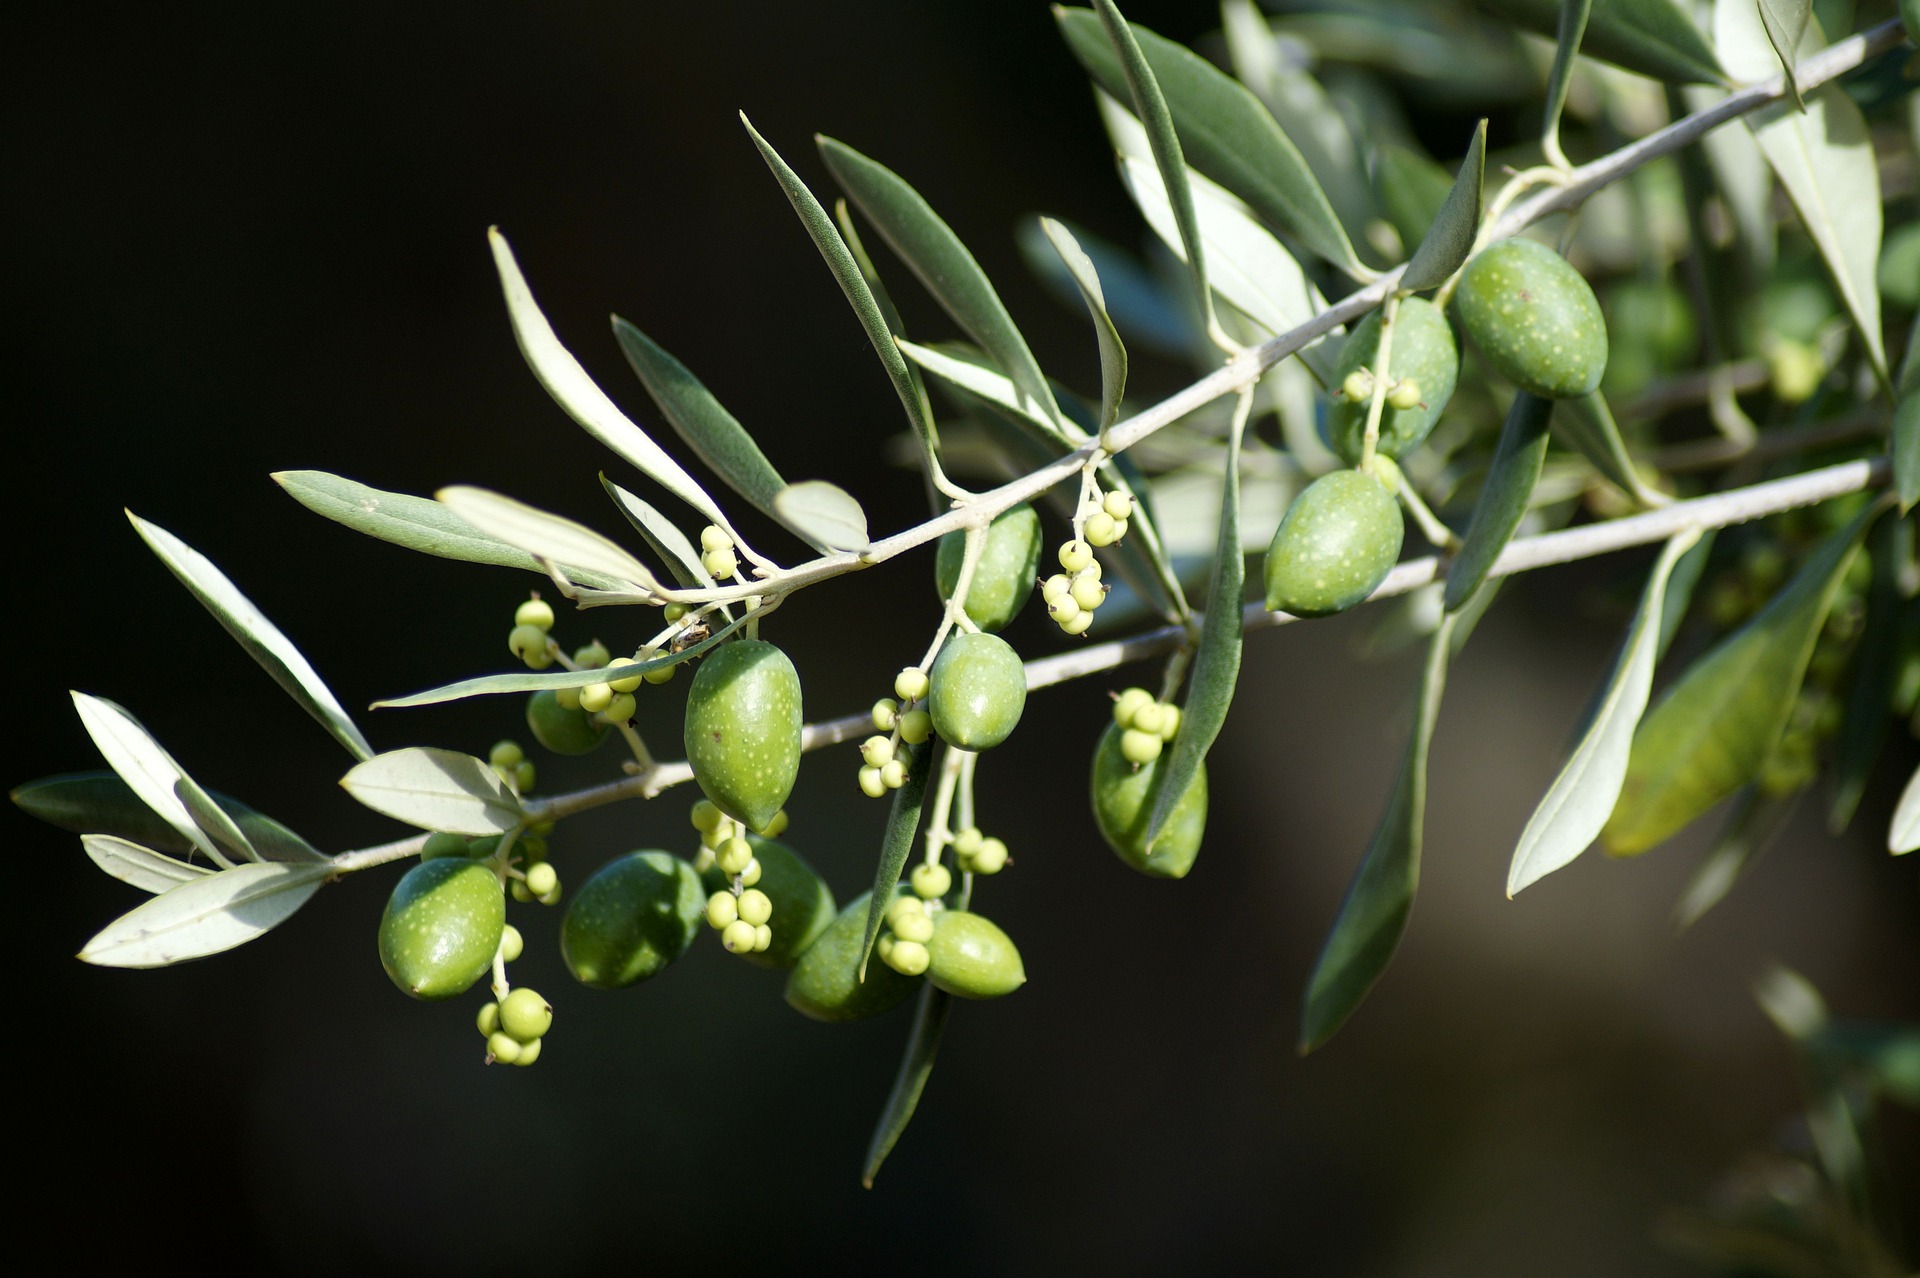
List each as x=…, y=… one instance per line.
x=802, y=901
x=1424, y=352
x=1335, y=545
x=1003, y=578
x=1534, y=318
x=638, y=913
x=979, y=689
x=742, y=731
x=826, y=985
x=441, y=927
x=1124, y=796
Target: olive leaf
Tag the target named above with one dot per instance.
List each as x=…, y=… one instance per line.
x=674, y=547
x=1450, y=236
x=1743, y=179
x=1511, y=475
x=1411, y=189
x=1587, y=423
x=1143, y=309
x=1216, y=661
x=1877, y=658
x=1756, y=820
x=1680, y=587
x=1225, y=132
x=1711, y=731
x=966, y=369
x=903, y=821
x=867, y=302
x=1786, y=25
x=1374, y=914
x=1906, y=445
x=585, y=402
x=1653, y=37
x=1572, y=28
x=142, y=867
x=262, y=640
x=1113, y=352
x=148, y=770
x=102, y=803
x=941, y=262
x=213, y=820
x=824, y=514
x=206, y=915
x=1582, y=797
x=923, y=1041
x=1903, y=832
x=435, y=789
x=548, y=537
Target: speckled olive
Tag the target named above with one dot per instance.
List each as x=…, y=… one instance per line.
x=970, y=957
x=1004, y=577
x=637, y=914
x=979, y=690
x=1534, y=318
x=561, y=730
x=441, y=927
x=802, y=901
x=1424, y=350
x=1336, y=543
x=826, y=984
x=1123, y=801
x=743, y=730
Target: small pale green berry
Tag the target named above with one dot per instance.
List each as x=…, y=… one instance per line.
x=520, y=893
x=1149, y=717
x=525, y=1015
x=990, y=859
x=620, y=709
x=1404, y=395
x=506, y=754
x=567, y=698
x=762, y=938
x=1079, y=625
x=512, y=944
x=914, y=927
x=1098, y=528
x=713, y=537
x=705, y=816
x=1128, y=704
x=916, y=726
x=722, y=909
x=1358, y=386
x=1064, y=609
x=870, y=783
x=675, y=611
x=1119, y=505
x=886, y=712
x=877, y=751
x=739, y=937
x=489, y=1020
x=776, y=827
x=1088, y=593
x=1138, y=747
x=592, y=656
x=529, y=1052
x=596, y=697
x=904, y=907
x=629, y=684
x=523, y=776
x=751, y=875
x=529, y=643
x=733, y=855
x=503, y=1047
x=661, y=674
x=909, y=958
x=535, y=612
x=893, y=774
x=720, y=564
x=930, y=881
x=1169, y=721
x=968, y=841
x=1075, y=555
x=542, y=878
x=1058, y=586
x=755, y=906
x=910, y=684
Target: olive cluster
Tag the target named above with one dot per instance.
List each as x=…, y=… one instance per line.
x=511, y=765
x=906, y=721
x=1129, y=773
x=1073, y=595
x=739, y=911
x=978, y=853
x=1146, y=725
x=717, y=554
x=515, y=1027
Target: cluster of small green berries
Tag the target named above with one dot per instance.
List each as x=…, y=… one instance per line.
x=534, y=879
x=1402, y=395
x=611, y=701
x=1072, y=595
x=511, y=765
x=1103, y=518
x=895, y=722
x=529, y=640
x=740, y=912
x=903, y=946
x=515, y=1026
x=717, y=554
x=1146, y=725
x=979, y=854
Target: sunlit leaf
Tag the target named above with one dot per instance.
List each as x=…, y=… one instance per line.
x=1757, y=819
x=903, y=821
x=674, y=547
x=964, y=368
x=206, y=915
x=1144, y=310
x=923, y=1041
x=1113, y=353
x=1876, y=663
x=214, y=821
x=1511, y=475
x=435, y=789
x=1587, y=423
x=548, y=537
x=142, y=867
x=102, y=803
x=824, y=514
x=147, y=769
x=1653, y=37
x=261, y=638
x=1450, y=237
x=1786, y=25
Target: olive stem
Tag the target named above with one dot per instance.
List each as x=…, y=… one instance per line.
x=641, y=755
x=938, y=833
x=1382, y=378
x=955, y=613
x=1438, y=535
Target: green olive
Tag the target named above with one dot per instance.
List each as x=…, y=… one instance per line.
x=979, y=688
x=1335, y=545
x=1424, y=350
x=743, y=730
x=441, y=927
x=970, y=957
x=442, y=845
x=826, y=985
x=1003, y=579
x=637, y=914
x=1534, y=318
x=561, y=730
x=802, y=901
x=1123, y=801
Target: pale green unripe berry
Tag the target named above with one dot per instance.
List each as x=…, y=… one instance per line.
x=886, y=712
x=914, y=927
x=529, y=643
x=542, y=878
x=870, y=783
x=512, y=944
x=883, y=946
x=506, y=754
x=529, y=1052
x=762, y=937
x=489, y=1020
x=439, y=845
x=1064, y=609
x=930, y=881
x=1169, y=721
x=628, y=684
x=520, y=892
x=1404, y=395
x=755, y=906
x=968, y=841
x=550, y=898
x=722, y=910
x=620, y=709
x=910, y=684
x=705, y=816
x=903, y=907
x=1128, y=704
x=915, y=726
x=592, y=656
x=1079, y=625
x=909, y=958
x=739, y=937
x=661, y=674
x=733, y=855
x=893, y=774
x=750, y=875
x=1149, y=717
x=567, y=698
x=596, y=697
x=1089, y=594
x=1140, y=748
x=1058, y=586
x=537, y=613
x=1119, y=505
x=1358, y=386
x=1075, y=555
x=523, y=776
x=675, y=611
x=1119, y=530
x=503, y=1047
x=542, y=828
x=776, y=827
x=720, y=564
x=713, y=537
x=877, y=751
x=525, y=1015
x=990, y=859
x=1092, y=570
x=1098, y=528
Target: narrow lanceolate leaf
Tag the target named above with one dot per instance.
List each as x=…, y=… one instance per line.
x=1216, y=662
x=261, y=638
x=825, y=514
x=963, y=368
x=1906, y=446
x=1411, y=189
x=206, y=915
x=1450, y=237
x=1144, y=308
x=860, y=295
x=1786, y=25
x=584, y=401
x=929, y=1020
x=214, y=821
x=941, y=262
x=142, y=867
x=1573, y=28
x=1374, y=914
x=1225, y=132
x=101, y=803
x=1587, y=423
x=1877, y=658
x=148, y=770
x=548, y=537
x=1514, y=471
x=1755, y=822
x=1581, y=798
x=674, y=547
x=1823, y=156
x=902, y=823
x=435, y=790
x=1150, y=105
x=549, y=680
x=1653, y=37
x=1711, y=731
x=1903, y=833
x=417, y=523
x=1113, y=353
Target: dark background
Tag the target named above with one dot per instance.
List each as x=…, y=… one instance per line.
x=245, y=238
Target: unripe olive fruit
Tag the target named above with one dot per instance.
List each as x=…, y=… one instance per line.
x=512, y=944
x=1123, y=801
x=529, y=1053
x=825, y=984
x=529, y=643
x=1335, y=545
x=503, y=1047
x=1423, y=350
x=742, y=732
x=628, y=684
x=739, y=937
x=525, y=1015
x=910, y=684
x=799, y=900
x=542, y=878
x=638, y=913
x=592, y=656
x=970, y=957
x=990, y=859
x=930, y=881
x=534, y=612
x=439, y=845
x=1534, y=318
x=979, y=688
x=1004, y=575
x=909, y=958
x=441, y=927
x=561, y=730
